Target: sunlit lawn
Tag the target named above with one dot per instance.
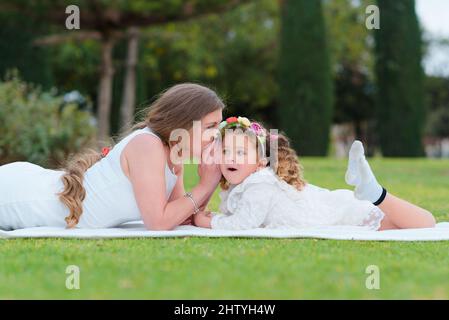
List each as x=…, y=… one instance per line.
x=215, y=268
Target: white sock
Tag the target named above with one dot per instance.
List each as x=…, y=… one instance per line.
x=352, y=176
x=360, y=175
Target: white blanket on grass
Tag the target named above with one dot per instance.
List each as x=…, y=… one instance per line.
x=137, y=230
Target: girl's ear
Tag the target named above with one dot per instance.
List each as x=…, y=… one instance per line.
x=262, y=163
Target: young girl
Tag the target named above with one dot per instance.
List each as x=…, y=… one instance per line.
x=270, y=192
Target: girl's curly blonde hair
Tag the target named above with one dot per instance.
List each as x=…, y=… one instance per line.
x=284, y=160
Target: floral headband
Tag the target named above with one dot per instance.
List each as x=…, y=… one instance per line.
x=243, y=122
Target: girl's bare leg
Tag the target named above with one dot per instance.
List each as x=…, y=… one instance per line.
x=403, y=214
x=399, y=214
x=386, y=224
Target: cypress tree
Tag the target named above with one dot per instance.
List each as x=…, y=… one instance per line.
x=306, y=88
x=18, y=52
x=400, y=79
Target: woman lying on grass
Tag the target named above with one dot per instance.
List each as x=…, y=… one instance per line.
x=135, y=179
x=270, y=192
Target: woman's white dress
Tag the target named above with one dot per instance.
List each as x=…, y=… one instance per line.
x=28, y=193
x=264, y=200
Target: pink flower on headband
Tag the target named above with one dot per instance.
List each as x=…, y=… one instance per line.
x=257, y=128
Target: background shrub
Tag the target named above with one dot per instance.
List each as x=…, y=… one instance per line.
x=36, y=126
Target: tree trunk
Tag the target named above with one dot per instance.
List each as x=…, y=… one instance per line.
x=129, y=86
x=105, y=88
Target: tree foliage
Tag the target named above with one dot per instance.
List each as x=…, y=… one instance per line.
x=36, y=126
x=306, y=89
x=400, y=100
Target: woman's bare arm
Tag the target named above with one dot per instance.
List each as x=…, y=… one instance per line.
x=146, y=160
x=178, y=190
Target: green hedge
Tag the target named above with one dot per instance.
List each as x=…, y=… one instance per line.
x=35, y=128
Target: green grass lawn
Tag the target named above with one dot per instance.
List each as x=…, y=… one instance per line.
x=227, y=268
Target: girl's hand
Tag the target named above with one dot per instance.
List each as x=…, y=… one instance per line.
x=209, y=169
x=202, y=219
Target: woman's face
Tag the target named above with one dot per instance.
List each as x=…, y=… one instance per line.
x=203, y=132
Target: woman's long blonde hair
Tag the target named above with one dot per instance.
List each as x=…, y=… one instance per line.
x=177, y=107
x=284, y=163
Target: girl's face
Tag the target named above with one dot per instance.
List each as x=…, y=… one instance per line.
x=239, y=157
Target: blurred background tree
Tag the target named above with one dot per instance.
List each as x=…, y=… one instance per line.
x=233, y=47
x=306, y=92
x=37, y=126
x=351, y=46
x=401, y=107
x=107, y=21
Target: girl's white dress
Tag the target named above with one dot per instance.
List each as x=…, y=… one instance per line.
x=263, y=200
x=28, y=193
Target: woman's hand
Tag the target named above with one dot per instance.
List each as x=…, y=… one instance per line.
x=209, y=173
x=202, y=219
x=188, y=221
x=209, y=168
